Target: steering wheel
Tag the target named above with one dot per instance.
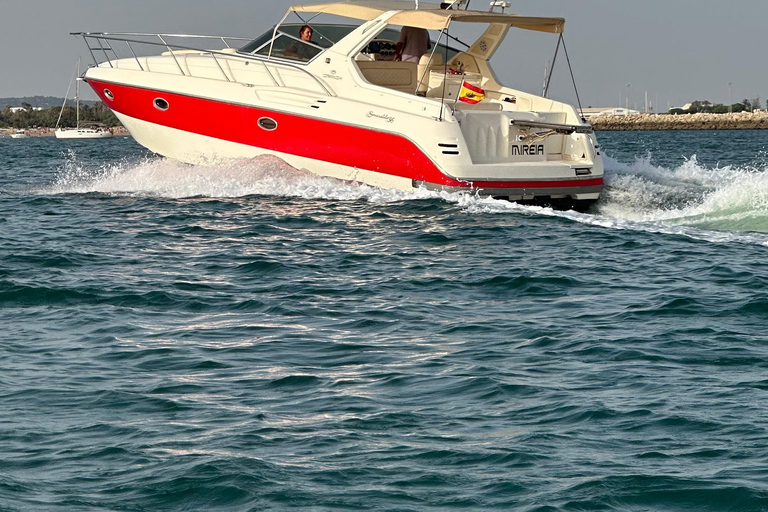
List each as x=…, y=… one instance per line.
x=380, y=46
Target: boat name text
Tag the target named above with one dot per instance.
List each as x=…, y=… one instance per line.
x=532, y=150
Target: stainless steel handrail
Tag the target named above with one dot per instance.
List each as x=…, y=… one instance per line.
x=154, y=34
x=566, y=129
x=103, y=40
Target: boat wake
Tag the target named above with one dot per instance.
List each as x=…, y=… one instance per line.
x=721, y=198
x=266, y=175
x=716, y=204
x=719, y=204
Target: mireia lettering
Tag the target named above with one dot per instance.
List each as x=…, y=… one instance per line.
x=531, y=150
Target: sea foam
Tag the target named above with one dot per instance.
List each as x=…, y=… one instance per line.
x=271, y=176
x=717, y=204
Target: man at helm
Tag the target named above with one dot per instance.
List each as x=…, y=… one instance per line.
x=414, y=42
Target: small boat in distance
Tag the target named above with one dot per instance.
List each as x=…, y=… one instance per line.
x=83, y=133
x=79, y=132
x=337, y=100
x=19, y=134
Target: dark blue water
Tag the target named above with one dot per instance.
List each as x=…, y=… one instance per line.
x=247, y=337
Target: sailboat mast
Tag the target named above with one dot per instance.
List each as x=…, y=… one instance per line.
x=77, y=93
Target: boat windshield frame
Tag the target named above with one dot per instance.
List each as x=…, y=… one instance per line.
x=300, y=47
x=267, y=41
x=256, y=47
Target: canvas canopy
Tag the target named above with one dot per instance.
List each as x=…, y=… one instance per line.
x=429, y=16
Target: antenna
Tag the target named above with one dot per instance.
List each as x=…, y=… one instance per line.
x=500, y=3
x=454, y=4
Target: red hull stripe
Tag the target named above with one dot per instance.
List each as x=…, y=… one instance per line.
x=316, y=139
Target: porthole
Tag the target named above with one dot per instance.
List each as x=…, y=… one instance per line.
x=109, y=94
x=161, y=104
x=267, y=123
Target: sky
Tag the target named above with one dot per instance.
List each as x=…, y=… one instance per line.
x=675, y=51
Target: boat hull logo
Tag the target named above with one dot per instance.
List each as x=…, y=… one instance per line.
x=385, y=117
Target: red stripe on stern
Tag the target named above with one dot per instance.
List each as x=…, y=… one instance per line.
x=307, y=137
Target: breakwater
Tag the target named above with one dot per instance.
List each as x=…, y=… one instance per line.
x=701, y=121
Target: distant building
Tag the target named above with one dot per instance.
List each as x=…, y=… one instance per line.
x=19, y=109
x=699, y=105
x=609, y=111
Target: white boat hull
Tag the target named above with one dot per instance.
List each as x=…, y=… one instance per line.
x=82, y=134
x=206, y=120
x=194, y=148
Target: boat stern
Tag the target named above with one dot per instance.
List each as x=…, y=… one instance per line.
x=531, y=157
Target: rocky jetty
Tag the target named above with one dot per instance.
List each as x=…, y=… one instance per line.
x=735, y=121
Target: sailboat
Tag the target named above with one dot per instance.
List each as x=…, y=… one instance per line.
x=78, y=132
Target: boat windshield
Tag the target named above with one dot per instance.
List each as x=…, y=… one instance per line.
x=288, y=44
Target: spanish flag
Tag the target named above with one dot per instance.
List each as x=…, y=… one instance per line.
x=471, y=94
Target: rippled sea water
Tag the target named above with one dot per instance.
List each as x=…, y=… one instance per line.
x=247, y=337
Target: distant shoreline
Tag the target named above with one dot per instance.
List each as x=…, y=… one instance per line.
x=606, y=123
x=735, y=121
x=118, y=131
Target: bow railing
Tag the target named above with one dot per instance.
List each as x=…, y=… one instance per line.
x=106, y=44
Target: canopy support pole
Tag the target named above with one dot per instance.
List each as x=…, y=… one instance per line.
x=552, y=68
x=445, y=72
x=274, y=34
x=581, y=110
x=426, y=68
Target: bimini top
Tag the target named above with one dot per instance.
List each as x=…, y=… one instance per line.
x=429, y=16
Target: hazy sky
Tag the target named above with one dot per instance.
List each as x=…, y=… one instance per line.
x=676, y=51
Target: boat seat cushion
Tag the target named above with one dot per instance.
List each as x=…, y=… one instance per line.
x=427, y=64
x=400, y=76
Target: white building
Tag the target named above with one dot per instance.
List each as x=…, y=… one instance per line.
x=609, y=111
x=19, y=109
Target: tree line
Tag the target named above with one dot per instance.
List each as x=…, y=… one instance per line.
x=30, y=118
x=698, y=106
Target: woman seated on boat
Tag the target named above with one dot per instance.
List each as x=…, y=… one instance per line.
x=300, y=49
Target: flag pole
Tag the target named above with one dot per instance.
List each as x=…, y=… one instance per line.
x=461, y=88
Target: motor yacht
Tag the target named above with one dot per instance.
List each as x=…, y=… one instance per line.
x=19, y=134
x=340, y=105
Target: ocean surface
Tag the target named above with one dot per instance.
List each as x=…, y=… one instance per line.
x=248, y=337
